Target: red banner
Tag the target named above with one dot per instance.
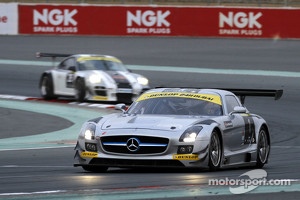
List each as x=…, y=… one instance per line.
x=159, y=21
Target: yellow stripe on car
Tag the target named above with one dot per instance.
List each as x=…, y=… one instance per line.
x=98, y=58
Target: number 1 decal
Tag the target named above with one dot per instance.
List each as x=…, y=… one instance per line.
x=70, y=79
x=249, y=136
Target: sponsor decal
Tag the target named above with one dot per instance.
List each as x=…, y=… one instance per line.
x=228, y=124
x=55, y=21
x=103, y=98
x=206, y=97
x=87, y=154
x=148, y=22
x=248, y=136
x=240, y=23
x=185, y=157
x=70, y=80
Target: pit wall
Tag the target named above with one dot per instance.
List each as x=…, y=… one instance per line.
x=122, y=20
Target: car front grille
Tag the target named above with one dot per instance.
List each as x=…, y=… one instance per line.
x=134, y=144
x=124, y=85
x=100, y=91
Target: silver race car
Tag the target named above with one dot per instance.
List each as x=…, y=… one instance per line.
x=91, y=77
x=178, y=127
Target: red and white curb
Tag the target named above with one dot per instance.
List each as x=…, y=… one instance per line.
x=26, y=98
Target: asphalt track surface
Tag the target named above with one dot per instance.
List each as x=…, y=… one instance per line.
x=37, y=138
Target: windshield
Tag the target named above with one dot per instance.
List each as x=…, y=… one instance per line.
x=104, y=65
x=175, y=106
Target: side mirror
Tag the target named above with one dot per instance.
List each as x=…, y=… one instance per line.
x=238, y=109
x=120, y=106
x=72, y=68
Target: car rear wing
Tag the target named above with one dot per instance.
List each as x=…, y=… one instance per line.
x=242, y=93
x=51, y=55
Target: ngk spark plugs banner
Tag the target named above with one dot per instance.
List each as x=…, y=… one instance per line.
x=8, y=18
x=159, y=21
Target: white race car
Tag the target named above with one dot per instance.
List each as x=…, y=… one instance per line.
x=91, y=77
x=178, y=127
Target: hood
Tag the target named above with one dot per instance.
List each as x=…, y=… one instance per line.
x=121, y=77
x=153, y=122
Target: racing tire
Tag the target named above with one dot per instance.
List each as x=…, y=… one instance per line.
x=215, y=152
x=94, y=169
x=80, y=90
x=263, y=148
x=46, y=87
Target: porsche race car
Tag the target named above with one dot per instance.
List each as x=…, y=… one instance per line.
x=91, y=77
x=178, y=127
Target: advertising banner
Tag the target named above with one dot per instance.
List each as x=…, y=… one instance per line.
x=8, y=18
x=159, y=21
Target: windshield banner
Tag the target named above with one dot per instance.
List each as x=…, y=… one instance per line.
x=205, y=97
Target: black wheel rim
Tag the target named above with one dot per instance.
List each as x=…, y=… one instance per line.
x=263, y=148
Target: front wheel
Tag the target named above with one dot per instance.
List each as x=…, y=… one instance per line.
x=80, y=90
x=215, y=152
x=46, y=87
x=263, y=148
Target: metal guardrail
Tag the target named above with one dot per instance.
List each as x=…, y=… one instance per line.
x=267, y=3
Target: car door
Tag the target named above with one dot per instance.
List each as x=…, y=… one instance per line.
x=64, y=77
x=239, y=127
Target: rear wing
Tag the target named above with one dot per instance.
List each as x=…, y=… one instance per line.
x=51, y=55
x=242, y=93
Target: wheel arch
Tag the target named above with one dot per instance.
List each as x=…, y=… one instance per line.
x=218, y=130
x=46, y=73
x=265, y=126
x=78, y=78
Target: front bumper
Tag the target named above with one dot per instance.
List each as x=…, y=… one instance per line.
x=168, y=159
x=126, y=95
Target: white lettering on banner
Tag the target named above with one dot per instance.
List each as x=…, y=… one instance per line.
x=148, y=18
x=58, y=21
x=148, y=22
x=52, y=29
x=3, y=19
x=240, y=20
x=240, y=23
x=55, y=17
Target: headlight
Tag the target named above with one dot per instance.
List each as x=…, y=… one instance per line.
x=89, y=133
x=94, y=79
x=190, y=134
x=142, y=80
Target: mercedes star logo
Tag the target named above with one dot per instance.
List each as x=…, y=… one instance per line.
x=133, y=144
